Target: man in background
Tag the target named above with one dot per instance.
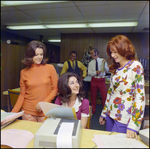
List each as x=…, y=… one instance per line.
x=96, y=69
x=72, y=65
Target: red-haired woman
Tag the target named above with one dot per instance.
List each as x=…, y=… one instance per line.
x=125, y=103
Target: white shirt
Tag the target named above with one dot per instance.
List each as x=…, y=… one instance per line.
x=92, y=67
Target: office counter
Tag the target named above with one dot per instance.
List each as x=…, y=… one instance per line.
x=86, y=138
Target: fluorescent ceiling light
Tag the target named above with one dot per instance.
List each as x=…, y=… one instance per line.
x=54, y=40
x=13, y=3
x=67, y=26
x=91, y=25
x=26, y=27
x=116, y=24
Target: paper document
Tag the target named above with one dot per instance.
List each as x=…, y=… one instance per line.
x=64, y=136
x=116, y=141
x=16, y=138
x=9, y=116
x=57, y=111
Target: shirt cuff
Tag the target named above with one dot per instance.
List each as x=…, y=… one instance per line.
x=133, y=130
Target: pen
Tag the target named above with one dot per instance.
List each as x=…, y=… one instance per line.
x=94, y=146
x=111, y=133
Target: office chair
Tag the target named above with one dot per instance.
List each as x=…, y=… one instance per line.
x=89, y=118
x=13, y=96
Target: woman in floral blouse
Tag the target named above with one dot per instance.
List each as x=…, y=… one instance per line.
x=125, y=103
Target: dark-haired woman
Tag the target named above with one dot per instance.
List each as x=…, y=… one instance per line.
x=38, y=82
x=125, y=102
x=71, y=95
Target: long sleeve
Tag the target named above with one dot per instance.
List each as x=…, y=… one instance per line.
x=102, y=66
x=37, y=83
x=54, y=91
x=20, y=99
x=106, y=67
x=137, y=109
x=125, y=101
x=65, y=68
x=91, y=68
x=109, y=92
x=83, y=68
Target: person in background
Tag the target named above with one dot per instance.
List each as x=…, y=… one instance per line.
x=97, y=72
x=38, y=82
x=125, y=103
x=73, y=65
x=71, y=95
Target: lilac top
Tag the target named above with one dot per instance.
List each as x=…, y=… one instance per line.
x=81, y=108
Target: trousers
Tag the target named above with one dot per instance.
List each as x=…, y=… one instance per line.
x=113, y=125
x=97, y=83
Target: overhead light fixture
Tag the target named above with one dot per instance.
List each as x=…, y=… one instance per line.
x=116, y=24
x=54, y=40
x=91, y=25
x=26, y=27
x=67, y=26
x=14, y=3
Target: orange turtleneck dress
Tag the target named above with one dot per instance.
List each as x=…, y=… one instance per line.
x=37, y=83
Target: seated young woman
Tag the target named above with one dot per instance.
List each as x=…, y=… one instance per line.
x=71, y=95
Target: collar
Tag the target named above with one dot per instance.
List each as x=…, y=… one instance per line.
x=76, y=105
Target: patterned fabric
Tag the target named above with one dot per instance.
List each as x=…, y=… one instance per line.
x=30, y=117
x=126, y=96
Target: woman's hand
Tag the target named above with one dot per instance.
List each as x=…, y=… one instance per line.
x=102, y=120
x=131, y=134
x=37, y=107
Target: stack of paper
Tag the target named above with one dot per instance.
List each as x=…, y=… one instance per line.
x=57, y=111
x=9, y=117
x=116, y=141
x=16, y=138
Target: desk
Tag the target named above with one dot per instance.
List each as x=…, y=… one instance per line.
x=86, y=138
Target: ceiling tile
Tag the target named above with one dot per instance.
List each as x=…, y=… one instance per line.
x=45, y=6
x=112, y=18
x=144, y=17
x=61, y=12
x=89, y=3
x=55, y=20
x=112, y=9
x=14, y=15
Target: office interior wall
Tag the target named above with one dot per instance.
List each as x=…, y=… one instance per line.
x=11, y=56
x=80, y=43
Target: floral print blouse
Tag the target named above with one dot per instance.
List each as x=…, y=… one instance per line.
x=125, y=100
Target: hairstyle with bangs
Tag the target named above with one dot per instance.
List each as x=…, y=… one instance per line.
x=124, y=47
x=64, y=89
x=30, y=52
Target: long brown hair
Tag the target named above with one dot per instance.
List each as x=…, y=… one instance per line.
x=30, y=52
x=124, y=47
x=64, y=89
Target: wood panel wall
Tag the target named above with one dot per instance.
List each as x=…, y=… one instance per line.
x=11, y=55
x=11, y=66
x=80, y=43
